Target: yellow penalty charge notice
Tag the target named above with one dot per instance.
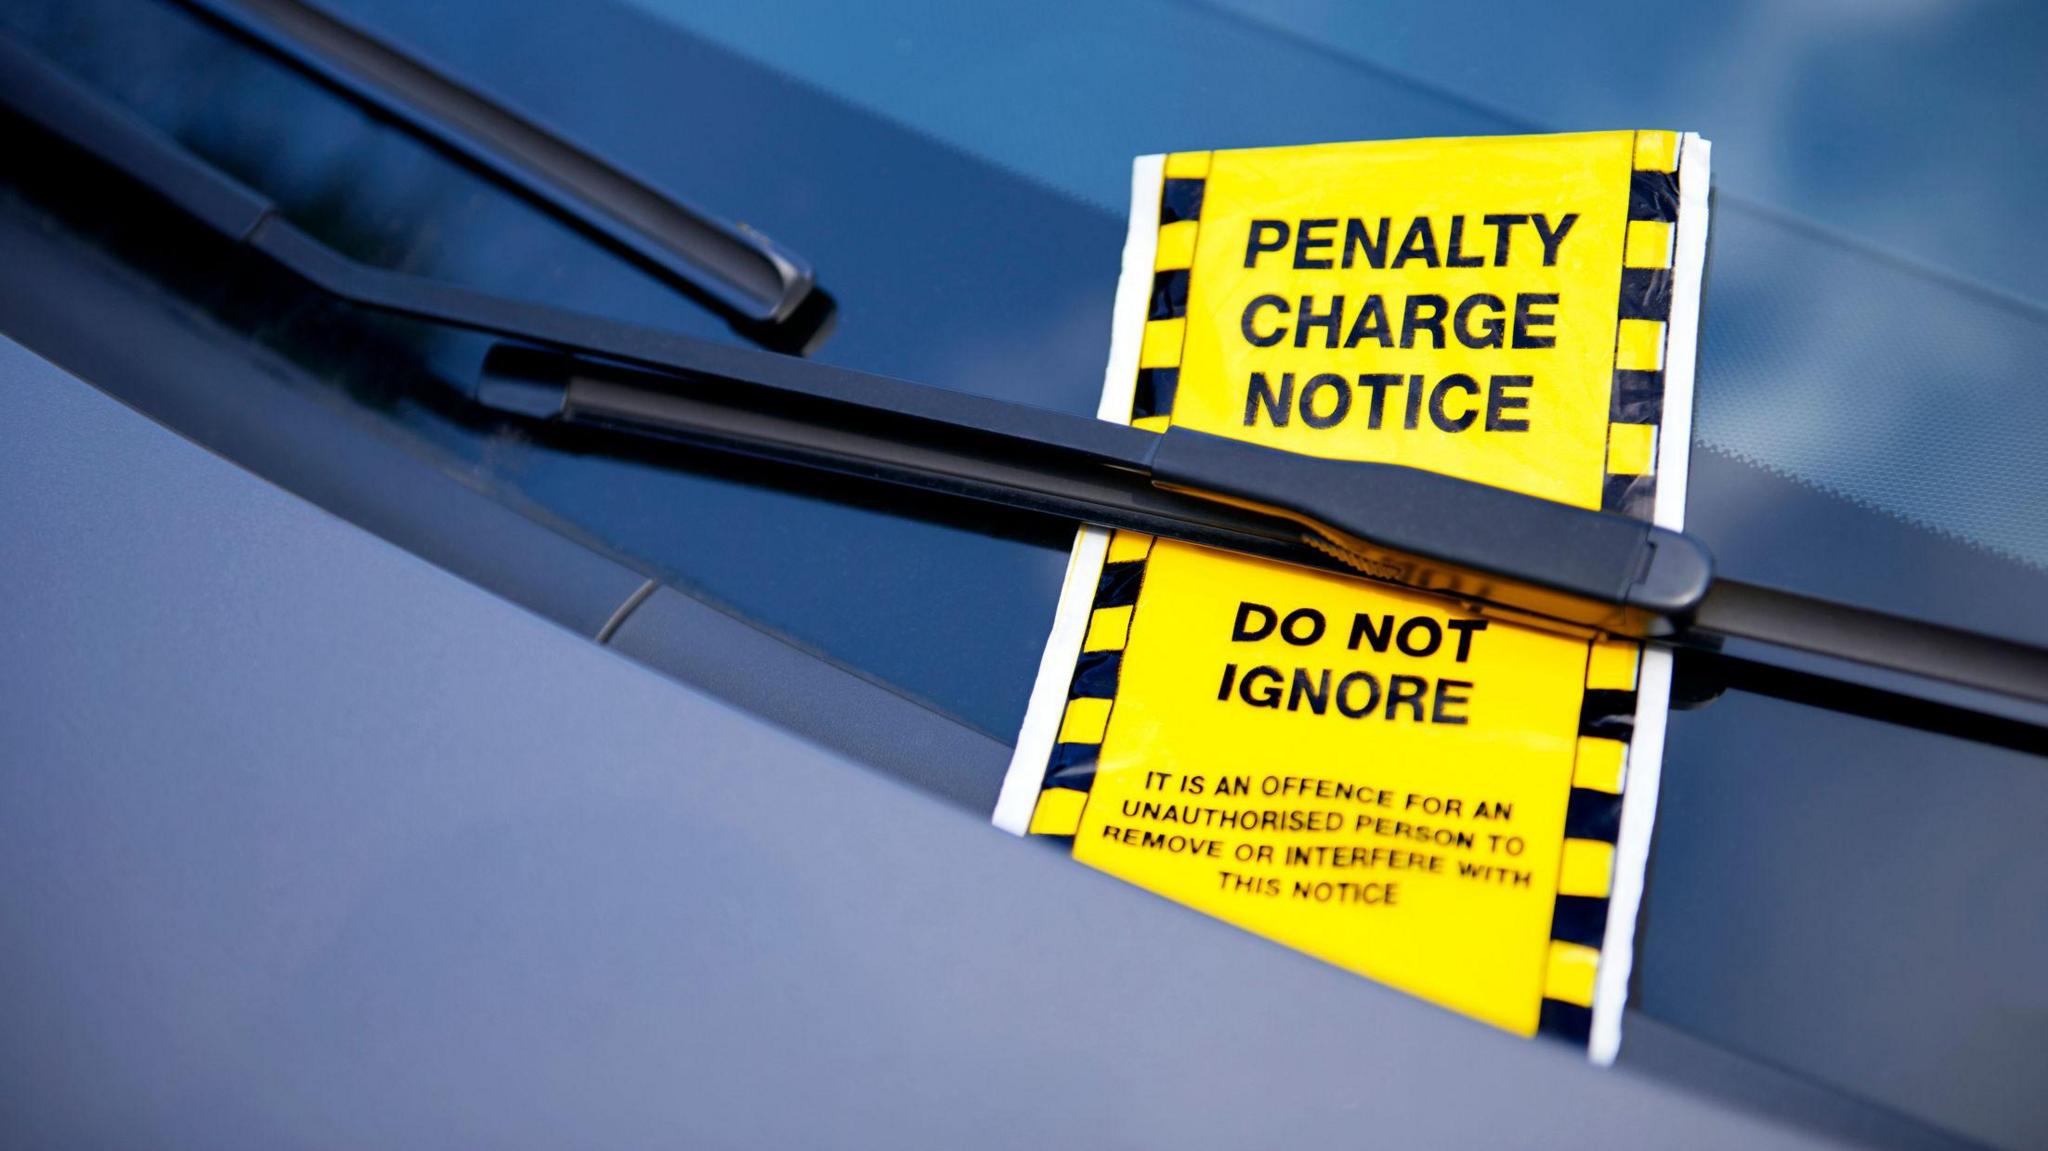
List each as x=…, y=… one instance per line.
x=1443, y=800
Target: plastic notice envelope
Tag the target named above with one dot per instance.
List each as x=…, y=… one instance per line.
x=1450, y=803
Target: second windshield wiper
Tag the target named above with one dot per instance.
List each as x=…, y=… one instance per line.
x=768, y=292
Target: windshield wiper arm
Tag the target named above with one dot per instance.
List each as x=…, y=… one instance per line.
x=766, y=291
x=1546, y=562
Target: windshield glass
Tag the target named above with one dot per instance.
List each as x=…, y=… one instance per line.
x=1868, y=427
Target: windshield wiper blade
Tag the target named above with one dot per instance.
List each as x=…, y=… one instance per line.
x=1533, y=559
x=767, y=292
x=1544, y=562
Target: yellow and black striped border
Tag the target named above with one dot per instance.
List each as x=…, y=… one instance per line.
x=1091, y=694
x=1185, y=178
x=1592, y=824
x=1578, y=928
x=1636, y=405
